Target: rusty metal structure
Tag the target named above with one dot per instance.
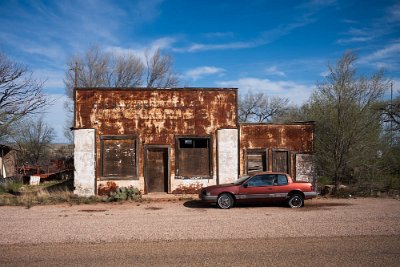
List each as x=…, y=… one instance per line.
x=285, y=148
x=171, y=140
x=154, y=133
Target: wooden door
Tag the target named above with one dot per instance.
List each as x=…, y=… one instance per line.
x=156, y=170
x=281, y=161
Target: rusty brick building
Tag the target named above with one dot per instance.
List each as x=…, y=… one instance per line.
x=177, y=140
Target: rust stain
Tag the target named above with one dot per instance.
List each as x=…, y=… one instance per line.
x=188, y=189
x=156, y=116
x=293, y=137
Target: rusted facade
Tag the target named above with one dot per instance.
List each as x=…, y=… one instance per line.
x=142, y=134
x=277, y=147
x=176, y=140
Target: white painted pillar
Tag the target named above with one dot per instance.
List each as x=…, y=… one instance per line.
x=85, y=162
x=227, y=155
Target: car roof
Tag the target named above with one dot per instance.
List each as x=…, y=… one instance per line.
x=258, y=173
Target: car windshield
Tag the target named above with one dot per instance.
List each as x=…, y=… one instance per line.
x=241, y=180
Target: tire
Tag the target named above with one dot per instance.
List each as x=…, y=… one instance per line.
x=225, y=201
x=295, y=201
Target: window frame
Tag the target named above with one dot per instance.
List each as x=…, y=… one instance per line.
x=135, y=175
x=248, y=151
x=210, y=156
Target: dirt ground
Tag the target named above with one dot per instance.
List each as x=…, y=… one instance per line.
x=368, y=228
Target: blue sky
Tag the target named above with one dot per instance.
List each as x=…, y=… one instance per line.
x=277, y=47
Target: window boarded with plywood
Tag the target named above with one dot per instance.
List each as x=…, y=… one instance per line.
x=193, y=157
x=118, y=157
x=256, y=161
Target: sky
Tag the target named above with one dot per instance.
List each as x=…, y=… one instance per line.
x=281, y=48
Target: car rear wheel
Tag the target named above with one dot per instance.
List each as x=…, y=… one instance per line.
x=296, y=201
x=225, y=201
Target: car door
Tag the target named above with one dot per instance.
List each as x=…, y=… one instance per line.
x=258, y=188
x=281, y=187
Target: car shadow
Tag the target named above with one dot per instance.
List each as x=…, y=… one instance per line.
x=198, y=204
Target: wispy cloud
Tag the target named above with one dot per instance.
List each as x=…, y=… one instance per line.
x=218, y=34
x=297, y=93
x=264, y=38
x=74, y=24
x=267, y=36
x=140, y=50
x=387, y=57
x=378, y=27
x=53, y=79
x=354, y=40
x=274, y=71
x=200, y=72
x=394, y=13
x=325, y=73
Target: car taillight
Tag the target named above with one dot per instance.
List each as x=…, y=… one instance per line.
x=312, y=187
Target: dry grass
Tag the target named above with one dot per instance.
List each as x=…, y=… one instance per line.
x=41, y=196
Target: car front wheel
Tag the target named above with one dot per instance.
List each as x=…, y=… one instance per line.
x=296, y=201
x=225, y=201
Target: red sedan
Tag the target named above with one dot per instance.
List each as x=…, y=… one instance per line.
x=261, y=187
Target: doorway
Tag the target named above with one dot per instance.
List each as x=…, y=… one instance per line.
x=156, y=169
x=280, y=161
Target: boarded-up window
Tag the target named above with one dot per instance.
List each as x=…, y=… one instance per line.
x=118, y=157
x=193, y=157
x=256, y=160
x=305, y=167
x=280, y=161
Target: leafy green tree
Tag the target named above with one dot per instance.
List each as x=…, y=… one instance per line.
x=347, y=121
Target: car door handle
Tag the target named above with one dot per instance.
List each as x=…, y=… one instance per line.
x=269, y=188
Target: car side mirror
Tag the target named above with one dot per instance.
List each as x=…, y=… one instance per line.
x=245, y=185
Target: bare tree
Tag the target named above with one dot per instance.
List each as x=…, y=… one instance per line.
x=20, y=94
x=260, y=108
x=33, y=139
x=159, y=71
x=391, y=112
x=97, y=68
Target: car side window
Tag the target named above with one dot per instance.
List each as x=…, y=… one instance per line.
x=261, y=180
x=282, y=179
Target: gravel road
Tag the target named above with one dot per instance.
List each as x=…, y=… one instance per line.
x=192, y=220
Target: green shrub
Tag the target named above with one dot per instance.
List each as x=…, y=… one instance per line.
x=323, y=180
x=124, y=193
x=11, y=187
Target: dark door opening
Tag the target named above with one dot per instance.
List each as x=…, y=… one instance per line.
x=157, y=174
